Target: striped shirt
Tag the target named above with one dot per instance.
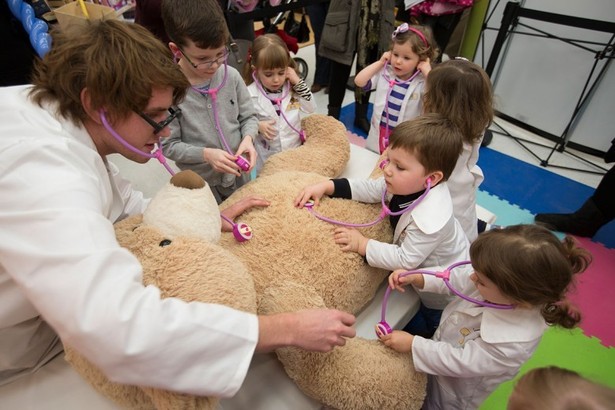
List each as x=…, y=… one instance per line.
x=393, y=105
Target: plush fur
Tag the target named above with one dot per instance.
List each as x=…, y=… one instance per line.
x=293, y=263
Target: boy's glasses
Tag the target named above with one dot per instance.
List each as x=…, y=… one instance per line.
x=209, y=63
x=159, y=126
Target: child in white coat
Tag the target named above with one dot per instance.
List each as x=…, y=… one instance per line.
x=422, y=153
x=475, y=347
x=399, y=77
x=279, y=96
x=461, y=91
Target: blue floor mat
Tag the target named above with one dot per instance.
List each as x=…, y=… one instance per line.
x=535, y=189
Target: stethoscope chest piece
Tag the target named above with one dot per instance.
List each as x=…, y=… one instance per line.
x=383, y=329
x=242, y=232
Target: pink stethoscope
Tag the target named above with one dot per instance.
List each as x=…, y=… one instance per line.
x=213, y=93
x=383, y=213
x=383, y=328
x=278, y=103
x=392, y=83
x=241, y=231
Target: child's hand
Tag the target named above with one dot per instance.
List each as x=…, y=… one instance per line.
x=221, y=161
x=399, y=341
x=292, y=76
x=246, y=148
x=351, y=240
x=314, y=192
x=396, y=281
x=240, y=207
x=386, y=56
x=268, y=128
x=424, y=66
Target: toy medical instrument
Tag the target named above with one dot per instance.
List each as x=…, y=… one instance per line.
x=392, y=83
x=278, y=103
x=241, y=231
x=213, y=93
x=383, y=328
x=383, y=213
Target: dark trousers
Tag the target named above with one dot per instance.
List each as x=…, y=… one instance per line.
x=318, y=13
x=425, y=322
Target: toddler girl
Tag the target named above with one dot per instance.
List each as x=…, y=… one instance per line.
x=476, y=348
x=461, y=91
x=279, y=96
x=399, y=76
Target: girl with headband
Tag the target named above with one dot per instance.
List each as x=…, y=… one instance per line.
x=399, y=77
x=476, y=348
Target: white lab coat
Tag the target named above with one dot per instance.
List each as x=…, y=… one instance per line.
x=428, y=235
x=463, y=184
x=411, y=107
x=59, y=260
x=475, y=349
x=287, y=138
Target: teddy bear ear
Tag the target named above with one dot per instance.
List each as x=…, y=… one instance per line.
x=185, y=207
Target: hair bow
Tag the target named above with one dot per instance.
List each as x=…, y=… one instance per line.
x=404, y=27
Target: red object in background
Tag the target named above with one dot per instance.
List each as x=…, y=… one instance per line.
x=290, y=41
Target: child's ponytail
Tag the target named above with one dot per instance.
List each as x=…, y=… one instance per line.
x=562, y=313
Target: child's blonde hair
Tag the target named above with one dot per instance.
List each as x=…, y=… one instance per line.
x=555, y=388
x=268, y=52
x=529, y=264
x=461, y=91
x=424, y=45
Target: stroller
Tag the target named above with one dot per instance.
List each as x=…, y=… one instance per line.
x=270, y=26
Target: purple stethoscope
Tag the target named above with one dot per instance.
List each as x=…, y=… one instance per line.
x=241, y=231
x=392, y=83
x=278, y=103
x=213, y=93
x=383, y=328
x=383, y=213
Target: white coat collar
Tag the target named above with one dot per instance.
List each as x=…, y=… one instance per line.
x=504, y=325
x=435, y=210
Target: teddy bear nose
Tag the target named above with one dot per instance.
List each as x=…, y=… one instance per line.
x=165, y=242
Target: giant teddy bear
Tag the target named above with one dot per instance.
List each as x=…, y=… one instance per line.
x=291, y=263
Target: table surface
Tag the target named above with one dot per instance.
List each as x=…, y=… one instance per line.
x=266, y=385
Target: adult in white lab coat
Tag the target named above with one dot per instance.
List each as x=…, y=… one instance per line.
x=62, y=272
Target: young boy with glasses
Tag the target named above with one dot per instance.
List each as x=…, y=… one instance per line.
x=215, y=132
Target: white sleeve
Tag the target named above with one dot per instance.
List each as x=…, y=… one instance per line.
x=410, y=254
x=475, y=359
x=367, y=190
x=62, y=253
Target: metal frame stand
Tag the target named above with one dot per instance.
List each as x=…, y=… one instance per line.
x=510, y=21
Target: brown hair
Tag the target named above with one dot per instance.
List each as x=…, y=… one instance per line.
x=555, y=388
x=424, y=51
x=119, y=63
x=199, y=21
x=529, y=264
x=433, y=139
x=268, y=52
x=461, y=91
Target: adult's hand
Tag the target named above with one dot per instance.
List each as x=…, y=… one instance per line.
x=317, y=330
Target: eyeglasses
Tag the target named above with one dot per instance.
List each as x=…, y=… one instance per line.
x=209, y=63
x=159, y=126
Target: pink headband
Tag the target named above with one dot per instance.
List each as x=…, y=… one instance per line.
x=403, y=28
